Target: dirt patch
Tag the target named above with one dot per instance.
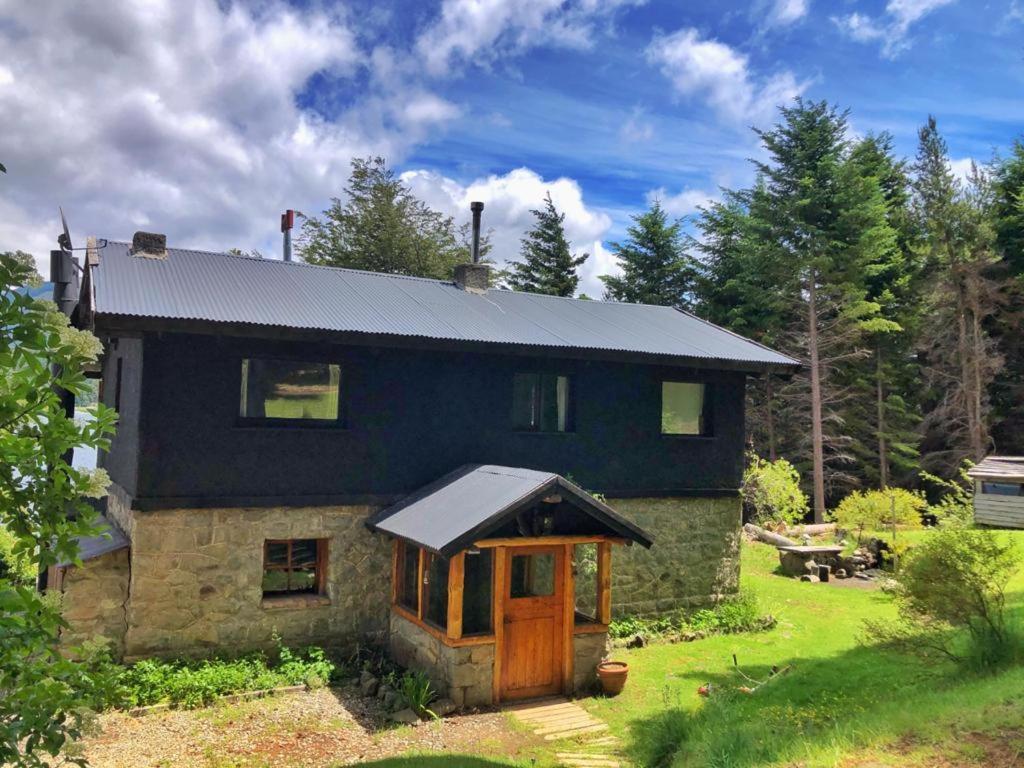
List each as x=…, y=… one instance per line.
x=309, y=730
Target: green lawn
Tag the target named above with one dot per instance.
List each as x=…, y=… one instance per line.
x=841, y=703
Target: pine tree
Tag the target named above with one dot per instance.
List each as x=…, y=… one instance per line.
x=547, y=263
x=655, y=267
x=381, y=227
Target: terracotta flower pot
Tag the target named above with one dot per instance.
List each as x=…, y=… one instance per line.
x=612, y=675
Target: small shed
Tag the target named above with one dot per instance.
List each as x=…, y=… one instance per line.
x=493, y=592
x=999, y=491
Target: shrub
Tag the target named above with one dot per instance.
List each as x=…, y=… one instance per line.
x=741, y=613
x=417, y=691
x=952, y=588
x=17, y=567
x=956, y=504
x=880, y=510
x=772, y=490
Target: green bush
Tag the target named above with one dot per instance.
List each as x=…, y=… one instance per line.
x=17, y=568
x=879, y=510
x=956, y=503
x=951, y=597
x=741, y=613
x=417, y=691
x=771, y=489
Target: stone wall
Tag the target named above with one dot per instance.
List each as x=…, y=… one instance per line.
x=465, y=675
x=196, y=580
x=694, y=560
x=589, y=650
x=93, y=600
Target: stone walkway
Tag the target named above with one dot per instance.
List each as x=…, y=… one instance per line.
x=558, y=718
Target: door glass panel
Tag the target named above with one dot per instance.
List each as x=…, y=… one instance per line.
x=532, y=575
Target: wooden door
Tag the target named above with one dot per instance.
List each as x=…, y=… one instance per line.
x=532, y=633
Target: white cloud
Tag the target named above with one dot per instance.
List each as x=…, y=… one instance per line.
x=962, y=168
x=485, y=30
x=637, y=128
x=183, y=117
x=683, y=203
x=891, y=28
x=708, y=68
x=785, y=12
x=508, y=201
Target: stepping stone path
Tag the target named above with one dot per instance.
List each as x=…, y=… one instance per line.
x=558, y=718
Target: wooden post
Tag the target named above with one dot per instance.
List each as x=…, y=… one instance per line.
x=456, y=574
x=420, y=591
x=604, y=583
x=395, y=570
x=568, y=619
x=498, y=620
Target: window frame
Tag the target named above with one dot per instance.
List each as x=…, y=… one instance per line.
x=320, y=570
x=570, y=408
x=340, y=422
x=707, y=421
x=990, y=483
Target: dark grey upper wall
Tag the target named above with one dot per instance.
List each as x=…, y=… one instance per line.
x=122, y=460
x=412, y=416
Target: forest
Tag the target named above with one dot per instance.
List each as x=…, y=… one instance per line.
x=899, y=285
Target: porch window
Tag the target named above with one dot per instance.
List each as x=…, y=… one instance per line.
x=477, y=609
x=541, y=402
x=294, y=566
x=684, y=408
x=288, y=390
x=407, y=592
x=435, y=589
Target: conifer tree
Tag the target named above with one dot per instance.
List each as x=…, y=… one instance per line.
x=655, y=266
x=547, y=263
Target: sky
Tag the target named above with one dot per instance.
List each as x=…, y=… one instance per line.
x=204, y=120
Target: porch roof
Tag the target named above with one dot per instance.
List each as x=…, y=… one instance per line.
x=108, y=539
x=467, y=505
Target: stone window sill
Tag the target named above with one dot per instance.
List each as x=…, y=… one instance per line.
x=291, y=602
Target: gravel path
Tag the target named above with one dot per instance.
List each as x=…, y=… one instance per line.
x=327, y=727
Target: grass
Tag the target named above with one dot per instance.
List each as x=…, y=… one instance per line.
x=841, y=703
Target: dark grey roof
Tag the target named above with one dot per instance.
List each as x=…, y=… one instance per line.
x=466, y=505
x=110, y=539
x=218, y=287
x=999, y=467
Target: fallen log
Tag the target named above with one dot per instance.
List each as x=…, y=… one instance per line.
x=815, y=529
x=775, y=539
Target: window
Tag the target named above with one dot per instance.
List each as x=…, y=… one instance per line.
x=289, y=390
x=684, y=408
x=541, y=403
x=476, y=592
x=435, y=585
x=1003, y=489
x=532, y=575
x=408, y=592
x=584, y=568
x=294, y=566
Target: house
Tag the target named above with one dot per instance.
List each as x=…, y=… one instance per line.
x=999, y=491
x=478, y=476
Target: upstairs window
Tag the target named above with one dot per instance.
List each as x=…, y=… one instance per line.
x=541, y=402
x=288, y=390
x=684, y=408
x=294, y=566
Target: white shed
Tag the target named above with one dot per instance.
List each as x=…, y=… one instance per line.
x=999, y=491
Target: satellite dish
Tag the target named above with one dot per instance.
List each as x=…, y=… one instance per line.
x=64, y=239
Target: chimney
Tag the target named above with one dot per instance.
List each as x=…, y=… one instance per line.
x=474, y=277
x=287, y=223
x=149, y=245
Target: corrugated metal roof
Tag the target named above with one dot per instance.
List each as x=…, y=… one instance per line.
x=219, y=287
x=466, y=505
x=110, y=539
x=999, y=467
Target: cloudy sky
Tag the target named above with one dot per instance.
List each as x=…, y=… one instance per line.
x=205, y=119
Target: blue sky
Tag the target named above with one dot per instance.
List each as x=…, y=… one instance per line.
x=204, y=120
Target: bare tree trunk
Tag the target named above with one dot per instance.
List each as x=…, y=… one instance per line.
x=978, y=434
x=966, y=374
x=770, y=400
x=883, y=449
x=816, y=426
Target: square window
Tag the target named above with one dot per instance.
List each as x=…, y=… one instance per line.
x=532, y=575
x=684, y=408
x=541, y=402
x=290, y=390
x=294, y=566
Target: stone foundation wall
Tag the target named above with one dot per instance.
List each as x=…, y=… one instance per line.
x=196, y=580
x=589, y=650
x=694, y=560
x=465, y=675
x=93, y=600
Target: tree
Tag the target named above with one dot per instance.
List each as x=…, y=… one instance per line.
x=655, y=267
x=43, y=509
x=547, y=263
x=28, y=262
x=381, y=227
x=960, y=357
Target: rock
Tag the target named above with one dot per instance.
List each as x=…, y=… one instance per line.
x=637, y=641
x=443, y=707
x=862, y=576
x=807, y=577
x=383, y=691
x=368, y=684
x=394, y=701
x=405, y=717
x=806, y=539
x=811, y=567
x=841, y=573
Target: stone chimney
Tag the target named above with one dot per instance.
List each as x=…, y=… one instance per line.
x=473, y=277
x=149, y=245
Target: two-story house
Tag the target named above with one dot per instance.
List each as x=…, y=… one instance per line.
x=478, y=477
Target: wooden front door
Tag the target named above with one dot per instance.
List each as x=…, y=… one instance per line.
x=533, y=631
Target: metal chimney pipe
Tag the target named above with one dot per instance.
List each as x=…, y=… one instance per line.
x=287, y=222
x=477, y=208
